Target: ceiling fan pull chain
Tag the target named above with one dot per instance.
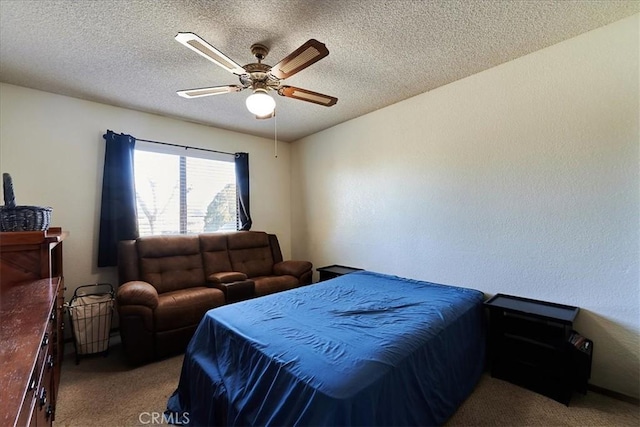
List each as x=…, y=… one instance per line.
x=275, y=132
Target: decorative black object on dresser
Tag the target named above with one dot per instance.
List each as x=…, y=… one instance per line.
x=333, y=271
x=532, y=343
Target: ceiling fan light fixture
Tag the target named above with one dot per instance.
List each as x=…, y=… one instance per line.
x=260, y=103
x=261, y=78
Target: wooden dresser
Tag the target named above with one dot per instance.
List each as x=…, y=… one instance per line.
x=31, y=326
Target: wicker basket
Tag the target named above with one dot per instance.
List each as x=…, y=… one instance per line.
x=21, y=218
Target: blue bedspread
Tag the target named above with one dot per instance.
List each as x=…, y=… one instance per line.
x=361, y=349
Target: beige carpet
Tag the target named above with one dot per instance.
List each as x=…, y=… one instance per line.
x=104, y=391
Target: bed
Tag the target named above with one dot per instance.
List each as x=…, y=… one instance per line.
x=362, y=349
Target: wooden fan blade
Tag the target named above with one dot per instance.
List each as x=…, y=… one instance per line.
x=309, y=53
x=208, y=91
x=201, y=47
x=307, y=95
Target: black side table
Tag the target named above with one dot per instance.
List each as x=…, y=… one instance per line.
x=530, y=345
x=333, y=271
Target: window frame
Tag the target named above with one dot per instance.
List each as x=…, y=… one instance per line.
x=183, y=153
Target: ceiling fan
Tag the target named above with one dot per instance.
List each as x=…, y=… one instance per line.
x=259, y=77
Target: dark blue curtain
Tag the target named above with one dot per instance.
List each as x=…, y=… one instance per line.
x=118, y=219
x=242, y=189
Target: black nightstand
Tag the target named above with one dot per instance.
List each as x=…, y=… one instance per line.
x=333, y=271
x=530, y=344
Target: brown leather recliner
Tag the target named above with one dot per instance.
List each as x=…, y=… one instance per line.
x=167, y=283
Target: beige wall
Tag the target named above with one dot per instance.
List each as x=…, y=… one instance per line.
x=523, y=179
x=53, y=148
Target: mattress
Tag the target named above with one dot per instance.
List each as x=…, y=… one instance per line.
x=362, y=349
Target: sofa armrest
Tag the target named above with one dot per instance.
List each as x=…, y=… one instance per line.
x=237, y=291
x=226, y=277
x=292, y=268
x=138, y=293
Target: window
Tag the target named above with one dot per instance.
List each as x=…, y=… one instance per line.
x=182, y=191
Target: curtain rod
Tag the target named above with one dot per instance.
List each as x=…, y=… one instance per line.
x=186, y=147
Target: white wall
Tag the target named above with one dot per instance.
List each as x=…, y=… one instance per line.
x=53, y=148
x=523, y=179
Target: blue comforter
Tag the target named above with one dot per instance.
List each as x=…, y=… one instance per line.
x=361, y=349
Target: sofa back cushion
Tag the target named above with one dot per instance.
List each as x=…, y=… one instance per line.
x=250, y=253
x=215, y=255
x=170, y=263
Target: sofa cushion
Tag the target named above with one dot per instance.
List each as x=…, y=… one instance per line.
x=250, y=253
x=170, y=263
x=292, y=268
x=215, y=256
x=270, y=284
x=185, y=307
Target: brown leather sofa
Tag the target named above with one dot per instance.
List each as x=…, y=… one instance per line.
x=167, y=283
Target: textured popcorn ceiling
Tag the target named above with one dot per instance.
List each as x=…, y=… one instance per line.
x=123, y=53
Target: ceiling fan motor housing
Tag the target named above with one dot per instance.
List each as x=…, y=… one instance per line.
x=258, y=76
x=260, y=51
